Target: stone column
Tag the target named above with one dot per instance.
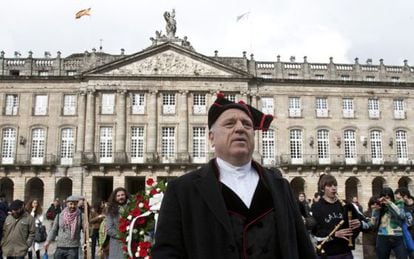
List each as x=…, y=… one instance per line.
x=183, y=126
x=152, y=124
x=121, y=126
x=90, y=124
x=256, y=153
x=80, y=141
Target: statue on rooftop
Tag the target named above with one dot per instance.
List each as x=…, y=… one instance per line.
x=171, y=26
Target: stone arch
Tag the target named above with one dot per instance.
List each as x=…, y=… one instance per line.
x=352, y=185
x=377, y=184
x=7, y=187
x=298, y=185
x=404, y=182
x=34, y=190
x=63, y=188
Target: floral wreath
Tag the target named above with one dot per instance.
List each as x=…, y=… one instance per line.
x=138, y=220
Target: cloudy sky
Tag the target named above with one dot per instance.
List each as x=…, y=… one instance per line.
x=318, y=29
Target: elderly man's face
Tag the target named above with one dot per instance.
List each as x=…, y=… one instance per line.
x=232, y=136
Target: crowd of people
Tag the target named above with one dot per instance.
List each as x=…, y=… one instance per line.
x=334, y=225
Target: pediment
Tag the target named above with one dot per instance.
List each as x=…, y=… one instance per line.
x=167, y=61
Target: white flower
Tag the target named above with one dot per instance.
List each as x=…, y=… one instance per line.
x=158, y=189
x=135, y=230
x=142, y=232
x=154, y=184
x=140, y=205
x=146, y=257
x=127, y=238
x=129, y=217
x=137, y=254
x=147, y=192
x=127, y=228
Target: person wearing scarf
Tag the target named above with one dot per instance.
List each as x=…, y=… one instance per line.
x=66, y=230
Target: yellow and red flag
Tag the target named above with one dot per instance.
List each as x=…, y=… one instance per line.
x=83, y=13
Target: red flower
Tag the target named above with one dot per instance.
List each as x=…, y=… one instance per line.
x=150, y=181
x=139, y=198
x=153, y=192
x=123, y=225
x=144, y=246
x=146, y=205
x=125, y=248
x=136, y=212
x=141, y=221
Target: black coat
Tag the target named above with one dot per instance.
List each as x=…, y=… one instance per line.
x=194, y=224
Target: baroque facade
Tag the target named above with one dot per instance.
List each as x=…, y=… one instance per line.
x=90, y=122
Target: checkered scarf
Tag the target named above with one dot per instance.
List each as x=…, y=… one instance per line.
x=70, y=219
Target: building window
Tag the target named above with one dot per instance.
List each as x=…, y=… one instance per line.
x=319, y=77
x=373, y=108
x=168, y=144
x=69, y=104
x=14, y=72
x=67, y=146
x=294, y=107
x=268, y=147
x=105, y=145
x=40, y=105
x=138, y=103
x=71, y=72
x=230, y=97
x=395, y=79
x=8, y=146
x=137, y=144
x=401, y=144
x=266, y=75
x=108, y=104
x=267, y=105
x=199, y=103
x=376, y=147
x=168, y=103
x=321, y=107
x=350, y=147
x=12, y=104
x=399, y=109
x=348, y=107
x=199, y=144
x=345, y=78
x=323, y=146
x=293, y=76
x=43, y=73
x=38, y=146
x=370, y=78
x=296, y=146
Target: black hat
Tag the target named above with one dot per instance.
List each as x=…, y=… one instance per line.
x=16, y=204
x=260, y=120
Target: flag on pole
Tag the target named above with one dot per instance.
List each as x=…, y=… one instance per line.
x=242, y=16
x=83, y=13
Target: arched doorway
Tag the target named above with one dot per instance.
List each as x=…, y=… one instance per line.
x=404, y=182
x=63, y=188
x=7, y=187
x=34, y=190
x=377, y=184
x=298, y=185
x=351, y=188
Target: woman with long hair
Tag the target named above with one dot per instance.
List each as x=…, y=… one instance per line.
x=389, y=216
x=35, y=209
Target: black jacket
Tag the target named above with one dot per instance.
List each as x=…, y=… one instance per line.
x=194, y=223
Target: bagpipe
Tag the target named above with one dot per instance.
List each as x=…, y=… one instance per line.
x=349, y=211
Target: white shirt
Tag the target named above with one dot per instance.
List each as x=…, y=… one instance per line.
x=242, y=180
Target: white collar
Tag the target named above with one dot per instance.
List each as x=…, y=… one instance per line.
x=242, y=180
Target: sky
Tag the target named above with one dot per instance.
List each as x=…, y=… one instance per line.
x=318, y=29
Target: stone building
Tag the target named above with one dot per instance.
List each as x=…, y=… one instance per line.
x=90, y=122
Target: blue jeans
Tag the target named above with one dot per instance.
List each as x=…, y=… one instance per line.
x=67, y=253
x=387, y=243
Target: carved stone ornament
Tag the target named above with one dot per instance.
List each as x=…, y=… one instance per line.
x=169, y=63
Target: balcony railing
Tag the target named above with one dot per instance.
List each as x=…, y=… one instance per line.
x=201, y=158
